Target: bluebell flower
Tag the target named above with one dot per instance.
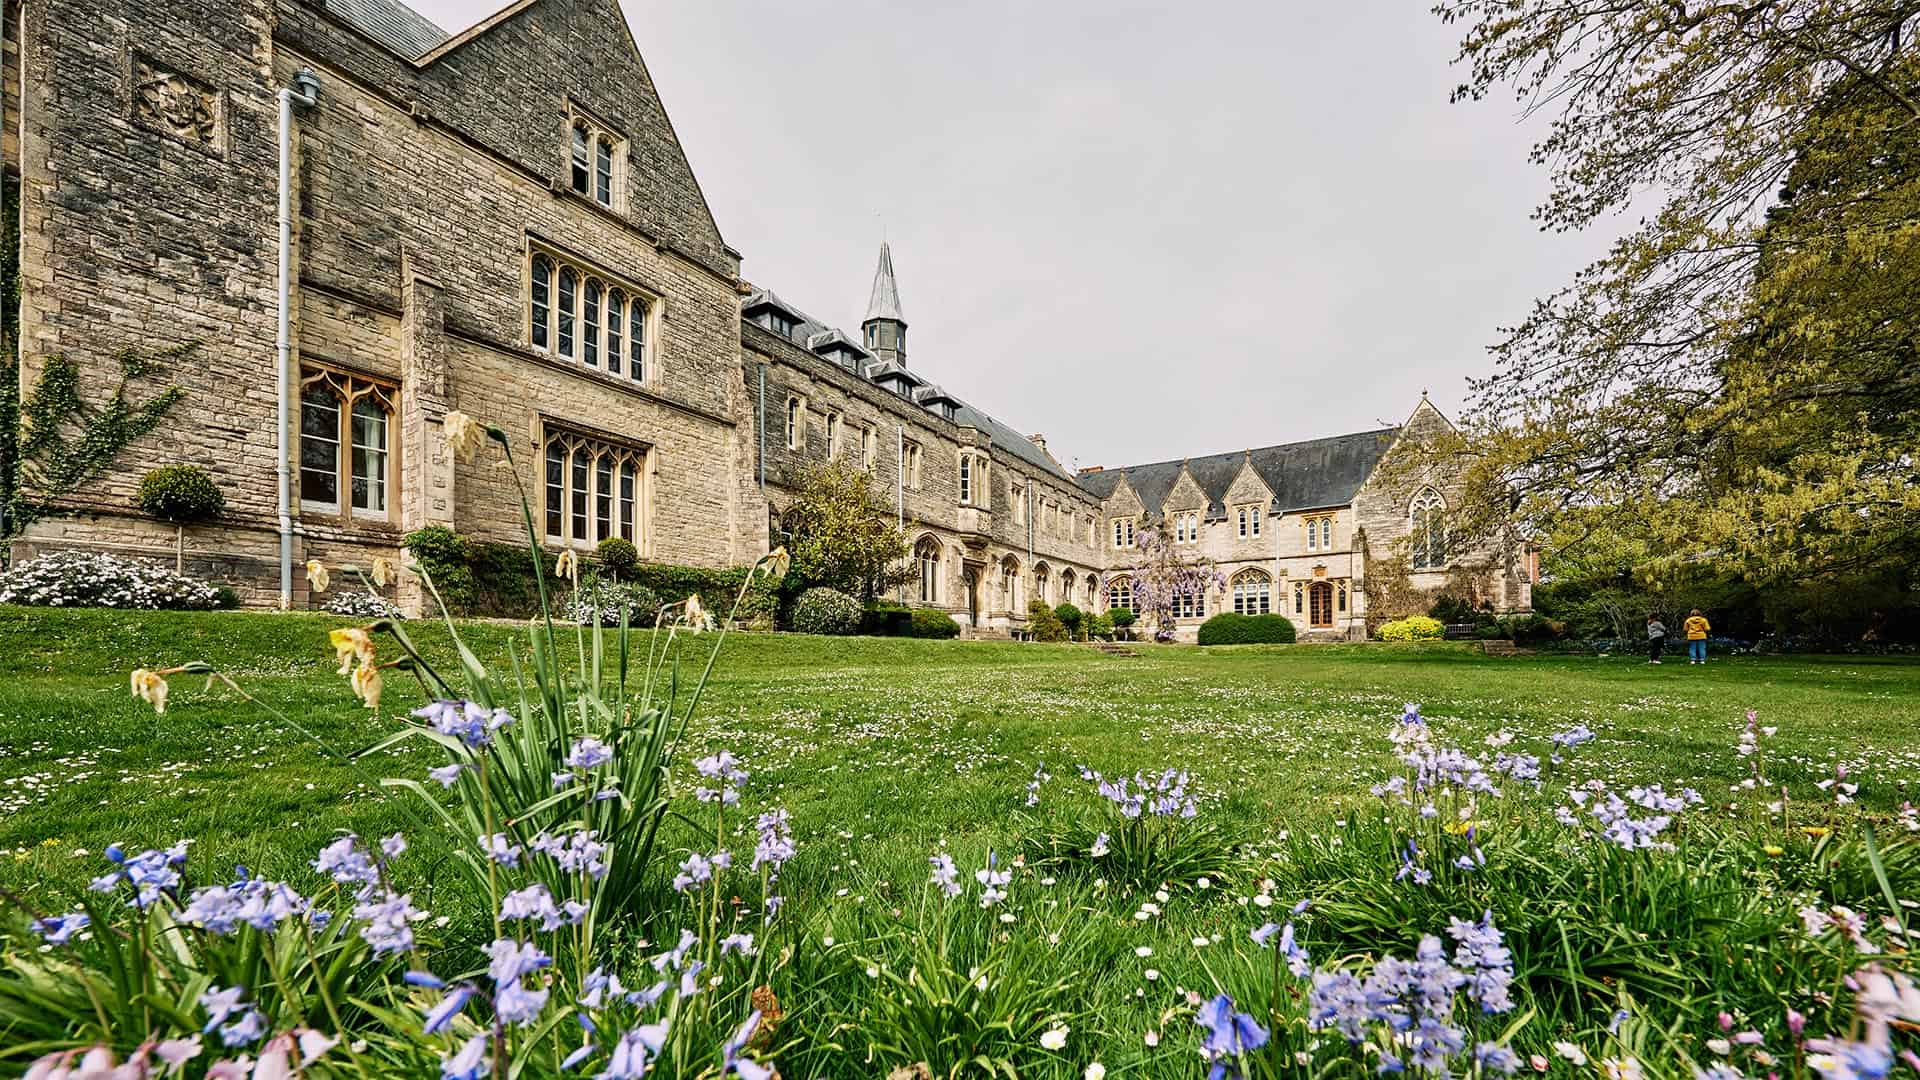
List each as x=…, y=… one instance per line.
x=775, y=846
x=501, y=849
x=696, y=870
x=740, y=943
x=945, y=874
x=448, y=1007
x=470, y=1063
x=393, y=846
x=677, y=955
x=601, y=986
x=447, y=775
x=1229, y=1035
x=424, y=978
x=246, y=1030
x=630, y=1054
x=59, y=929
x=388, y=923
x=1494, y=1058
x=347, y=863
x=511, y=959
x=585, y=1051
x=1262, y=934
x=578, y=852
x=588, y=753
x=221, y=1004
x=732, y=1061
x=514, y=1004
x=690, y=978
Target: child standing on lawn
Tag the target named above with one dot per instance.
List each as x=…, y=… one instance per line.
x=1656, y=637
x=1697, y=628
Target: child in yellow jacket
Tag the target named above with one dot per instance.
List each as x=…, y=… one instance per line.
x=1697, y=629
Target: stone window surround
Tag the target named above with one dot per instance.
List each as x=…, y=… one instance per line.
x=357, y=385
x=973, y=469
x=611, y=280
x=619, y=150
x=1250, y=519
x=1319, y=528
x=1252, y=591
x=795, y=419
x=1426, y=530
x=642, y=456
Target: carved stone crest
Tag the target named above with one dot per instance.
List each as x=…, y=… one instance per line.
x=176, y=104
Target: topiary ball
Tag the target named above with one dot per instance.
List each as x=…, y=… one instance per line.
x=181, y=494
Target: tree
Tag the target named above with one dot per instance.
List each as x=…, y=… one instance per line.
x=1166, y=575
x=841, y=535
x=1735, y=381
x=181, y=495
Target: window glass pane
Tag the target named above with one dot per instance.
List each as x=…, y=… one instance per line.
x=556, y=488
x=636, y=339
x=603, y=498
x=590, y=325
x=582, y=465
x=569, y=286
x=319, y=446
x=369, y=456
x=603, y=172
x=626, y=501
x=580, y=164
x=616, y=328
x=541, y=318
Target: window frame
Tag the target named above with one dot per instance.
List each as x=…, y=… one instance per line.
x=1426, y=530
x=349, y=389
x=596, y=157
x=614, y=502
x=926, y=556
x=796, y=422
x=558, y=296
x=1248, y=601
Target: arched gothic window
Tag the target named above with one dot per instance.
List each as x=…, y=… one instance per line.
x=540, y=316
x=927, y=554
x=572, y=313
x=1427, y=517
x=1010, y=584
x=795, y=417
x=1043, y=584
x=592, y=155
x=592, y=490
x=1120, y=594
x=590, y=325
x=344, y=447
x=569, y=294
x=1252, y=592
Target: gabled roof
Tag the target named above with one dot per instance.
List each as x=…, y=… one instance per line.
x=392, y=24
x=1302, y=475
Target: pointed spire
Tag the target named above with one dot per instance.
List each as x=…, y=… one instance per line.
x=885, y=301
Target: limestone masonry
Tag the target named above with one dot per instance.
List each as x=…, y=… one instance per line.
x=502, y=222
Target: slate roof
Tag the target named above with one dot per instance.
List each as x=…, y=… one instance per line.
x=1004, y=437
x=885, y=301
x=1302, y=475
x=392, y=24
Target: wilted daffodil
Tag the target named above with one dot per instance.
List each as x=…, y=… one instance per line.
x=382, y=571
x=317, y=575
x=148, y=686
x=567, y=567
x=464, y=434
x=366, y=685
x=698, y=618
x=351, y=643
x=776, y=562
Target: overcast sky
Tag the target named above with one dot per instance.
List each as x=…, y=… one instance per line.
x=1148, y=231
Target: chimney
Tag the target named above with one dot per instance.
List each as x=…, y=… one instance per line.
x=1086, y=469
x=1039, y=441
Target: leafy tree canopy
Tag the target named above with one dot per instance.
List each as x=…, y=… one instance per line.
x=841, y=535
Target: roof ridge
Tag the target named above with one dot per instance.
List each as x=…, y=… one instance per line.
x=1250, y=451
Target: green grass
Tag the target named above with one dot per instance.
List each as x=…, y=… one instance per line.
x=885, y=750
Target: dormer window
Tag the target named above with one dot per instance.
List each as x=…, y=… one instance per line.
x=593, y=154
x=777, y=322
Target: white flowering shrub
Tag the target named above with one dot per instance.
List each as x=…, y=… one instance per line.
x=363, y=605
x=97, y=579
x=602, y=603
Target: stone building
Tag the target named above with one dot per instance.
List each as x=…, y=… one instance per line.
x=501, y=221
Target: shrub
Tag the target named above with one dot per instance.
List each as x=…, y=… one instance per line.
x=1228, y=628
x=1121, y=618
x=225, y=598
x=1100, y=626
x=1449, y=608
x=180, y=494
x=363, y=605
x=928, y=623
x=1413, y=628
x=600, y=603
x=1071, y=617
x=442, y=554
x=618, y=555
x=821, y=610
x=1043, y=623
x=887, y=620
x=96, y=579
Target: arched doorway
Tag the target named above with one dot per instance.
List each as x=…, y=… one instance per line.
x=1320, y=605
x=971, y=581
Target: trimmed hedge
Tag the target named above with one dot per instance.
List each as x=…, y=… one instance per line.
x=898, y=620
x=1043, y=623
x=181, y=494
x=821, y=610
x=928, y=623
x=1071, y=617
x=1229, y=628
x=478, y=577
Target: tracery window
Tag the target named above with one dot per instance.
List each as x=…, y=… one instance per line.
x=591, y=158
x=1320, y=532
x=1120, y=594
x=1426, y=516
x=1186, y=527
x=592, y=490
x=572, y=311
x=1249, y=521
x=1252, y=592
x=833, y=434
x=344, y=426
x=1190, y=605
x=966, y=479
x=927, y=554
x=1010, y=584
x=1123, y=532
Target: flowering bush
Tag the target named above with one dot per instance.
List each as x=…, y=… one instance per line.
x=1413, y=628
x=96, y=579
x=364, y=604
x=605, y=603
x=821, y=610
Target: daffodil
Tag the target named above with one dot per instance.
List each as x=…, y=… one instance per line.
x=351, y=643
x=366, y=684
x=148, y=686
x=1461, y=828
x=382, y=571
x=567, y=567
x=1815, y=831
x=464, y=434
x=1774, y=850
x=776, y=562
x=317, y=575
x=698, y=618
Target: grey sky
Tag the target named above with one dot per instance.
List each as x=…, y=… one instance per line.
x=1148, y=231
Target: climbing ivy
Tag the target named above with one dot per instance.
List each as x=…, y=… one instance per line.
x=65, y=444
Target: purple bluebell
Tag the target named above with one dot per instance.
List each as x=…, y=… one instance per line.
x=448, y=1007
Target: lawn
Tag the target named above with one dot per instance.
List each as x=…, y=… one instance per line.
x=885, y=751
